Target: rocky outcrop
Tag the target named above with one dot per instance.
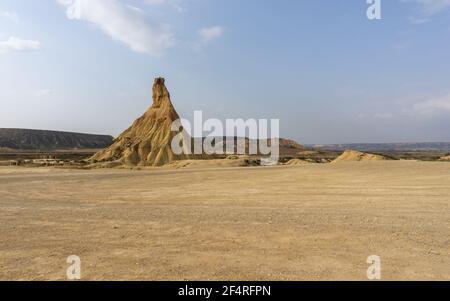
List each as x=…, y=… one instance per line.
x=148, y=141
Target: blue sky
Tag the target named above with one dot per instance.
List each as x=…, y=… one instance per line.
x=327, y=72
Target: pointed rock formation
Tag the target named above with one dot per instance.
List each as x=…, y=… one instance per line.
x=148, y=141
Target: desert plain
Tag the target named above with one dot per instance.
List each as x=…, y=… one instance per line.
x=306, y=222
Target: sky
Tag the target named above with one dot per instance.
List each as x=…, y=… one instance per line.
x=327, y=72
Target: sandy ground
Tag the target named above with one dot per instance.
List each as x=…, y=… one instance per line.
x=312, y=222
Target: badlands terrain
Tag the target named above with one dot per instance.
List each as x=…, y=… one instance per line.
x=202, y=222
x=33, y=140
x=135, y=210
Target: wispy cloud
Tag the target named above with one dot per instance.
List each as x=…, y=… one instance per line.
x=433, y=105
x=431, y=7
x=10, y=16
x=210, y=33
x=14, y=44
x=427, y=9
x=383, y=115
x=43, y=92
x=175, y=4
x=122, y=23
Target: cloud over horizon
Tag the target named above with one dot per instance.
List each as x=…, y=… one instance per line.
x=428, y=8
x=433, y=105
x=14, y=44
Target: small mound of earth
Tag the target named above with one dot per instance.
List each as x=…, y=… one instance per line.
x=231, y=161
x=237, y=157
x=307, y=153
x=352, y=155
x=296, y=162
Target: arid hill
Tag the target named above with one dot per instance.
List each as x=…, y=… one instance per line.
x=287, y=147
x=295, y=162
x=148, y=141
x=25, y=139
x=352, y=155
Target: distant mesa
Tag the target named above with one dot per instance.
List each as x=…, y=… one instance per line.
x=352, y=155
x=26, y=139
x=387, y=147
x=290, y=147
x=148, y=141
x=287, y=147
